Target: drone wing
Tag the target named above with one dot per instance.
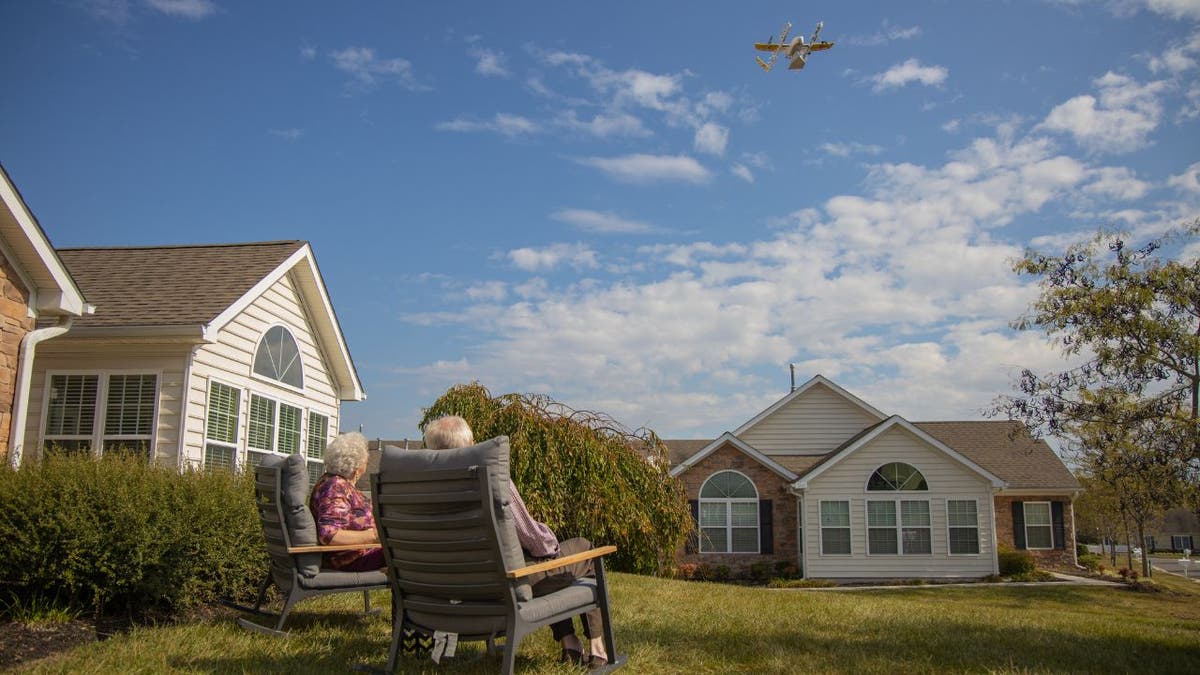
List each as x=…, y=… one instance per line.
x=820, y=46
x=769, y=46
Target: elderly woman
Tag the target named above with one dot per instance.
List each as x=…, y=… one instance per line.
x=342, y=512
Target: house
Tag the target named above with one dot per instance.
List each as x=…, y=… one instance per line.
x=826, y=482
x=198, y=356
x=1177, y=531
x=35, y=287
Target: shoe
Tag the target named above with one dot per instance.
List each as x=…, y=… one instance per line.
x=571, y=656
x=597, y=663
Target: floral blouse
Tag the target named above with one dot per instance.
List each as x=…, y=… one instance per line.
x=338, y=505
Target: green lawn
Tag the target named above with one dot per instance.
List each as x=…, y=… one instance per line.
x=673, y=627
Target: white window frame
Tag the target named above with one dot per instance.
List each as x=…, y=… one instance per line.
x=867, y=483
x=98, y=437
x=950, y=527
x=237, y=422
x=728, y=502
x=899, y=527
x=299, y=355
x=849, y=526
x=1049, y=526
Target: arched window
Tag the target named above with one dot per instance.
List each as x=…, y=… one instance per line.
x=896, y=476
x=278, y=358
x=728, y=514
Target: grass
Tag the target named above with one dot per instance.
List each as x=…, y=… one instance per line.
x=669, y=626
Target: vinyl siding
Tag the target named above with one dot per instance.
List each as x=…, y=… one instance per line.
x=230, y=360
x=813, y=423
x=947, y=479
x=97, y=356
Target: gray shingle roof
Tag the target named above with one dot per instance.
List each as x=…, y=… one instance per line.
x=169, y=285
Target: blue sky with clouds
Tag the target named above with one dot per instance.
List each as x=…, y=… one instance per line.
x=609, y=202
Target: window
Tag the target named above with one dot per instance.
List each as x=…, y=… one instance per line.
x=106, y=411
x=260, y=435
x=728, y=514
x=1181, y=542
x=278, y=358
x=962, y=516
x=887, y=535
x=221, y=427
x=835, y=528
x=318, y=436
x=896, y=476
x=1038, y=530
x=289, y=429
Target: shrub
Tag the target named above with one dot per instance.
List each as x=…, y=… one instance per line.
x=1014, y=563
x=583, y=474
x=759, y=571
x=801, y=583
x=685, y=571
x=1091, y=562
x=704, y=572
x=123, y=534
x=721, y=573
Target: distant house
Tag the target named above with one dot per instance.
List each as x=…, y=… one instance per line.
x=824, y=481
x=205, y=355
x=1177, y=531
x=34, y=287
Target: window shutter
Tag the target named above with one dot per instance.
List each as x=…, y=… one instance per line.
x=693, y=540
x=766, y=530
x=1018, y=511
x=1056, y=519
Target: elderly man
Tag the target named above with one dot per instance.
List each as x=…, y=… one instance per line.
x=538, y=542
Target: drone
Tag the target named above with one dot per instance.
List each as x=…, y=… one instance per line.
x=797, y=50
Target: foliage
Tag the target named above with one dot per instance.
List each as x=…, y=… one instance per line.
x=1092, y=562
x=122, y=534
x=801, y=583
x=582, y=473
x=759, y=571
x=1014, y=563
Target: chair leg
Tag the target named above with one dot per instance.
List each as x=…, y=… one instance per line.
x=292, y=598
x=610, y=644
x=366, y=602
x=512, y=640
x=262, y=592
x=397, y=633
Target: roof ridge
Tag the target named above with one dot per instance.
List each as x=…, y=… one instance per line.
x=182, y=246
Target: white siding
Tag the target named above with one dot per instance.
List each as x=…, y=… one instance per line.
x=947, y=479
x=231, y=357
x=97, y=356
x=813, y=423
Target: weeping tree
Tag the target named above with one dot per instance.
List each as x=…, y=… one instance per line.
x=582, y=473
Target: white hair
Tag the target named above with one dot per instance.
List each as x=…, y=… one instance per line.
x=448, y=432
x=345, y=454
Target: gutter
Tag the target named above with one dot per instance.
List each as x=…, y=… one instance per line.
x=29, y=343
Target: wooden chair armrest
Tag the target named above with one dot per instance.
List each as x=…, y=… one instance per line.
x=317, y=548
x=561, y=562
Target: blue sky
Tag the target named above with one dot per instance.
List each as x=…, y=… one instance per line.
x=609, y=202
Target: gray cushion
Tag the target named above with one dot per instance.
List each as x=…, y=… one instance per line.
x=581, y=593
x=302, y=529
x=491, y=453
x=335, y=579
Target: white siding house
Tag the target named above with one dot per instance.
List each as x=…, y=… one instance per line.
x=197, y=355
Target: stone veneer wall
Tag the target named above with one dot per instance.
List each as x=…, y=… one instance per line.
x=1055, y=558
x=770, y=485
x=15, y=322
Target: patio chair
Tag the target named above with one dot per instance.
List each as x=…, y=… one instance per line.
x=281, y=493
x=453, y=556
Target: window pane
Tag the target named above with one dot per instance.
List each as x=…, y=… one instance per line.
x=745, y=540
x=223, y=403
x=289, y=428
x=318, y=435
x=728, y=484
x=961, y=513
x=1038, y=536
x=835, y=540
x=315, y=471
x=896, y=476
x=67, y=447
x=218, y=457
x=278, y=357
x=253, y=459
x=133, y=446
x=71, y=410
x=745, y=514
x=916, y=540
x=129, y=410
x=1037, y=513
x=914, y=513
x=713, y=540
x=835, y=514
x=262, y=423
x=881, y=514
x=881, y=540
x=964, y=540
x=713, y=514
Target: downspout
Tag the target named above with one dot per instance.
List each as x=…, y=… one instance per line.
x=995, y=542
x=29, y=343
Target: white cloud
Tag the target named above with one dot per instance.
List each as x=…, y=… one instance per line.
x=908, y=72
x=602, y=222
x=642, y=168
x=308, y=53
x=711, y=138
x=606, y=125
x=851, y=148
x=367, y=70
x=1176, y=9
x=490, y=291
x=888, y=33
x=291, y=134
x=1177, y=58
x=548, y=258
x=504, y=124
x=1188, y=181
x=1117, y=183
x=1119, y=120
x=489, y=62
x=187, y=9
x=743, y=172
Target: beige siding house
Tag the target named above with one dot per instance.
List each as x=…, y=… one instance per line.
x=824, y=482
x=207, y=355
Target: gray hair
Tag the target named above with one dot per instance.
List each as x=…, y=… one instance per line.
x=345, y=454
x=448, y=432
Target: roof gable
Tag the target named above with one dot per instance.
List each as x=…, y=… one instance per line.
x=737, y=443
x=1006, y=448
x=815, y=381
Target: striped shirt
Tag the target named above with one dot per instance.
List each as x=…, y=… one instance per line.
x=537, y=539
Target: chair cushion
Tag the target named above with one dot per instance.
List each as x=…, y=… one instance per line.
x=302, y=529
x=333, y=579
x=492, y=454
x=581, y=593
